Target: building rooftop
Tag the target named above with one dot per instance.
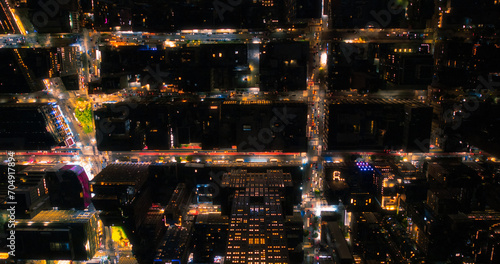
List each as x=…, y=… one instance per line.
x=271, y=179
x=474, y=165
x=60, y=216
x=340, y=242
x=37, y=168
x=385, y=101
x=212, y=219
x=173, y=244
x=406, y=167
x=123, y=174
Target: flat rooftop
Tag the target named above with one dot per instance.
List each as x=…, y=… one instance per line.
x=372, y=101
x=123, y=174
x=60, y=216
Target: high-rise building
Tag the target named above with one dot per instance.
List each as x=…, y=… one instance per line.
x=42, y=187
x=378, y=124
x=58, y=235
x=332, y=235
x=122, y=194
x=64, y=18
x=68, y=187
x=417, y=128
x=387, y=186
x=294, y=229
x=256, y=229
x=283, y=66
x=31, y=192
x=178, y=203
x=405, y=68
x=209, y=238
x=173, y=247
x=362, y=187
x=26, y=127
